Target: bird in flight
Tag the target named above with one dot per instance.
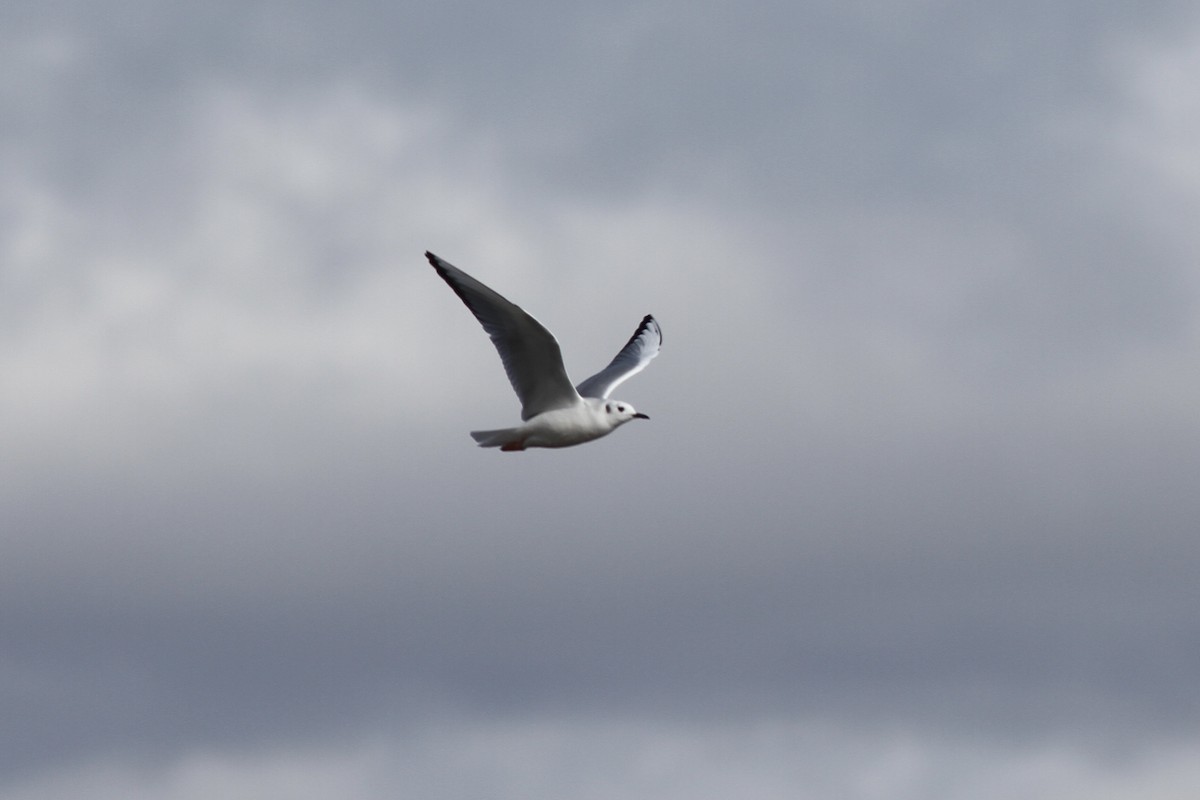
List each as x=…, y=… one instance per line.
x=554, y=413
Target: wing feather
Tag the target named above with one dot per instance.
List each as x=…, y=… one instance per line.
x=633, y=358
x=530, y=353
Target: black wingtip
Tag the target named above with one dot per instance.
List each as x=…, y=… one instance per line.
x=440, y=265
x=646, y=320
x=641, y=328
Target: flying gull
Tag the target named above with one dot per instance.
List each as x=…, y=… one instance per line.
x=554, y=413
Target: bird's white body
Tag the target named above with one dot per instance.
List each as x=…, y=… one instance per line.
x=562, y=427
x=555, y=413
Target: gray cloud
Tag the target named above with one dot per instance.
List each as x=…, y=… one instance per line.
x=918, y=470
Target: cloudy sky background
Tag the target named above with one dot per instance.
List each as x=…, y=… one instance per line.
x=915, y=515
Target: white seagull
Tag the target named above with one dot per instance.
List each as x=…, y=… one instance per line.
x=555, y=413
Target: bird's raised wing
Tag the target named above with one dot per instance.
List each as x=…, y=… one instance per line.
x=633, y=358
x=530, y=353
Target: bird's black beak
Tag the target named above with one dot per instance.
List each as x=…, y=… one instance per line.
x=640, y=415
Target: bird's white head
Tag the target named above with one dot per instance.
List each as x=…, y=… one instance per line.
x=618, y=413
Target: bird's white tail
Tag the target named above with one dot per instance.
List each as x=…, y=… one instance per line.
x=494, y=438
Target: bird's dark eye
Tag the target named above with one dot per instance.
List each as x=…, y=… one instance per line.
x=621, y=409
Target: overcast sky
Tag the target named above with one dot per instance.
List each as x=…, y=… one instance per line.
x=916, y=513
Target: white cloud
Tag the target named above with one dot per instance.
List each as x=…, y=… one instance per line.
x=1163, y=126
x=616, y=760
